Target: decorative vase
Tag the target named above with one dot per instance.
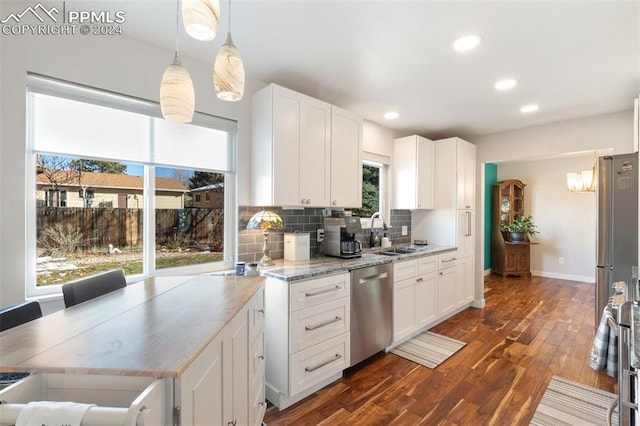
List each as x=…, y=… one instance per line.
x=517, y=236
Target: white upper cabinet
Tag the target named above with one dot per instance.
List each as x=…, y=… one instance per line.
x=346, y=158
x=291, y=148
x=466, y=174
x=455, y=174
x=413, y=159
x=305, y=152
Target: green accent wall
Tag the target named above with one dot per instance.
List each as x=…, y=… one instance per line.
x=490, y=178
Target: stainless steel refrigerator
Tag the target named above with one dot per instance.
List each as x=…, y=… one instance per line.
x=617, y=237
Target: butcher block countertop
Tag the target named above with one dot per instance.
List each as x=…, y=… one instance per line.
x=152, y=328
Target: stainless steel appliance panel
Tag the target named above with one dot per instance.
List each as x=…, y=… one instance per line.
x=371, y=311
x=617, y=234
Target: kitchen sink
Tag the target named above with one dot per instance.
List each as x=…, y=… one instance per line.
x=395, y=251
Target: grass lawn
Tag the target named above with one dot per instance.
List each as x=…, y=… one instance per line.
x=132, y=265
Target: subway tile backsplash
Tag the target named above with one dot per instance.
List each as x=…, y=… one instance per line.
x=306, y=220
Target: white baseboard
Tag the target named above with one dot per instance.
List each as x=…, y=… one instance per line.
x=570, y=277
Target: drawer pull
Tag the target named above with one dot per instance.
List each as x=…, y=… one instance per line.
x=319, y=292
x=335, y=358
x=315, y=327
x=449, y=260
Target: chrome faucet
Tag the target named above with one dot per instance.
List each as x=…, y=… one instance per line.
x=374, y=239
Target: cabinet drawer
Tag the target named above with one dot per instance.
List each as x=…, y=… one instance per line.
x=317, y=363
x=446, y=261
x=318, y=323
x=405, y=269
x=321, y=290
x=124, y=396
x=256, y=314
x=427, y=264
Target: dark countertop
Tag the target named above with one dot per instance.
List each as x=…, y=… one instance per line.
x=323, y=265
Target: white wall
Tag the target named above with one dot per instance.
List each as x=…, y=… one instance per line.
x=586, y=134
x=114, y=63
x=566, y=220
x=377, y=139
x=538, y=156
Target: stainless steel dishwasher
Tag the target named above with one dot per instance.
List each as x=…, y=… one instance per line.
x=371, y=310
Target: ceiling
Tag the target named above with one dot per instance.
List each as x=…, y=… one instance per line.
x=572, y=58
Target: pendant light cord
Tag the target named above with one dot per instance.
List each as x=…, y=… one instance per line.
x=229, y=16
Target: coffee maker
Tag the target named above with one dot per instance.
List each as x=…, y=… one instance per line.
x=340, y=237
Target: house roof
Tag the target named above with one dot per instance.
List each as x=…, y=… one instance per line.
x=105, y=180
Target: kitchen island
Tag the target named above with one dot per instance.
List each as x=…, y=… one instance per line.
x=165, y=333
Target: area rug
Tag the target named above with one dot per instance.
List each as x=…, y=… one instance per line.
x=428, y=349
x=570, y=403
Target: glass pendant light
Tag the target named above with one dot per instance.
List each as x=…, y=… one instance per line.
x=200, y=18
x=228, y=70
x=177, y=97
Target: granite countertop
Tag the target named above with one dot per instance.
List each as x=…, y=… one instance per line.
x=324, y=265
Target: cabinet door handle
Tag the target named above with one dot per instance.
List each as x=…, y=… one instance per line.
x=233, y=422
x=334, y=202
x=335, y=358
x=468, y=234
x=449, y=260
x=261, y=311
x=319, y=292
x=323, y=324
x=261, y=357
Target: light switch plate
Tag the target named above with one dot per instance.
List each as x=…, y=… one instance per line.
x=405, y=230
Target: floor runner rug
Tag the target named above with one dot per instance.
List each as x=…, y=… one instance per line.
x=428, y=349
x=570, y=403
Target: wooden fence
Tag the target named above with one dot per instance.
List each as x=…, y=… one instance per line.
x=99, y=227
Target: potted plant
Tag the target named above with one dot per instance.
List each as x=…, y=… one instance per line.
x=519, y=228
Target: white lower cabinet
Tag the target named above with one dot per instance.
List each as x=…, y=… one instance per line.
x=414, y=296
x=225, y=383
x=307, y=329
x=450, y=284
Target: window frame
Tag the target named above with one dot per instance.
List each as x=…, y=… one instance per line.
x=52, y=87
x=384, y=164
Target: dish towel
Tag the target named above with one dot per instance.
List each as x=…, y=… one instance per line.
x=604, y=350
x=48, y=413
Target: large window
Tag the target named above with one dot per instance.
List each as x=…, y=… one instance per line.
x=114, y=187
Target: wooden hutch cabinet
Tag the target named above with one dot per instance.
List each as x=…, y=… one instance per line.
x=508, y=257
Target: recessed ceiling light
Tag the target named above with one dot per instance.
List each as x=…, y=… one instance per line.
x=391, y=115
x=466, y=43
x=529, y=108
x=506, y=84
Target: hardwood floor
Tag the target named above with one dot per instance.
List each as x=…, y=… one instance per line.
x=530, y=330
